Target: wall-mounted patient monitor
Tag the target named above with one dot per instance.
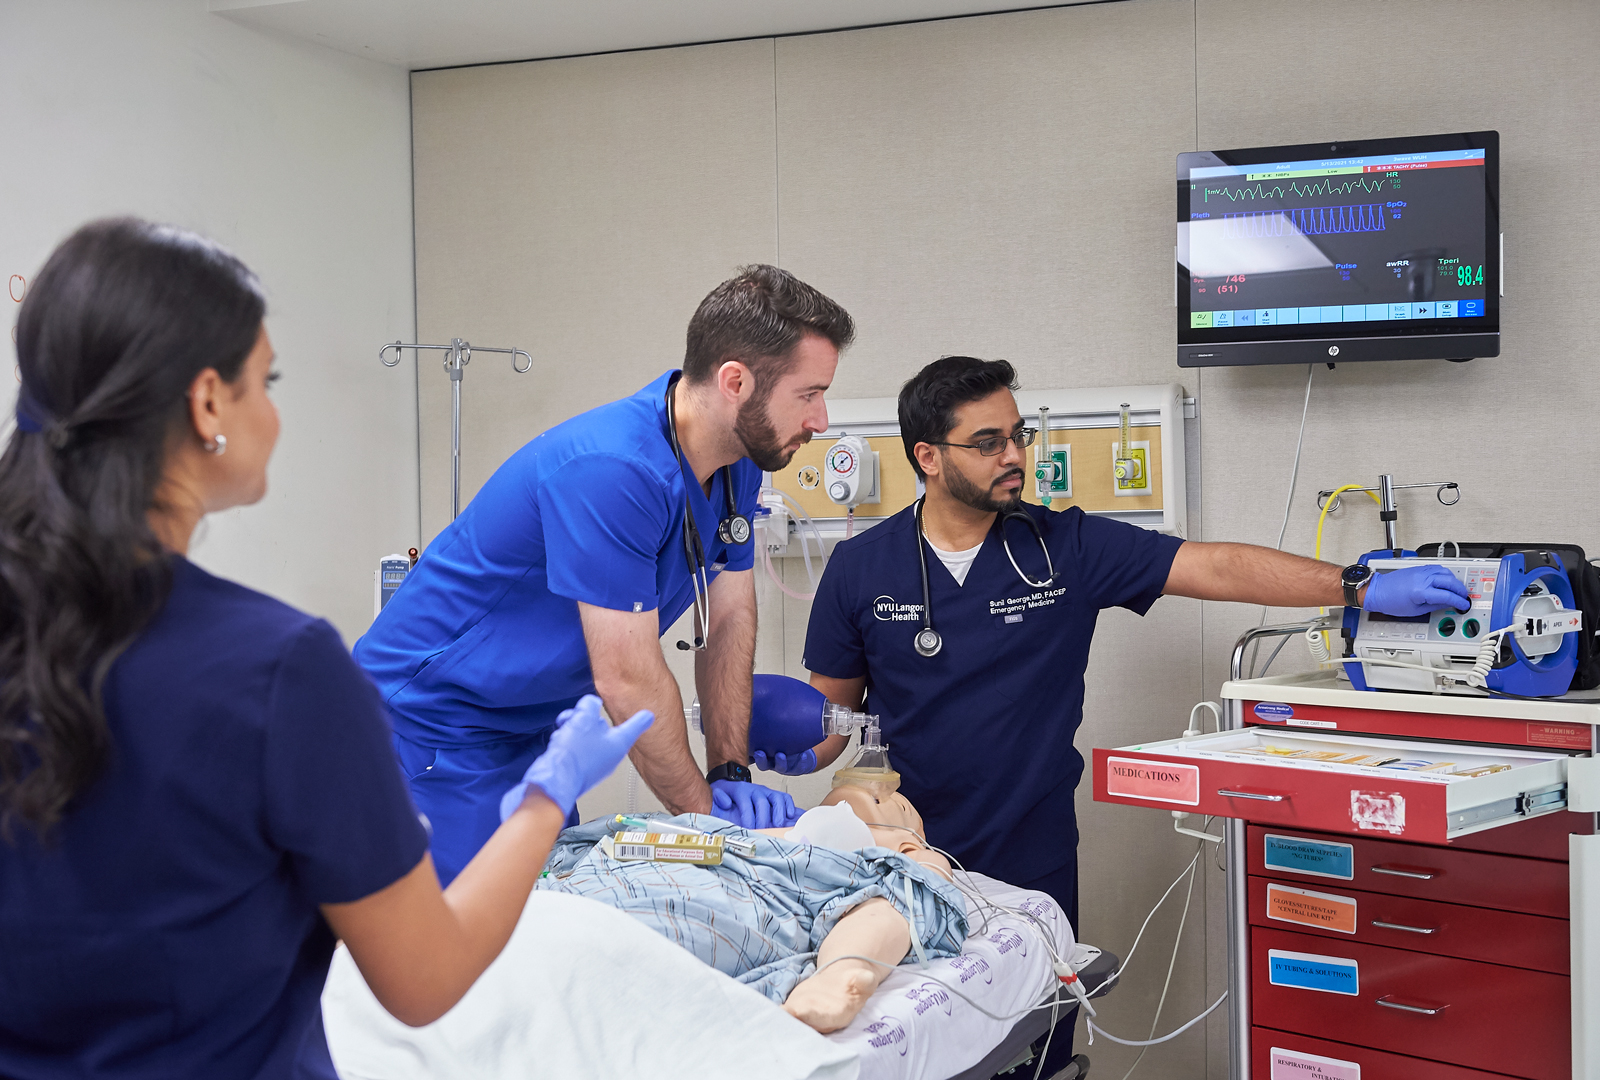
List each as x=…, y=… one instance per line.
x=1380, y=249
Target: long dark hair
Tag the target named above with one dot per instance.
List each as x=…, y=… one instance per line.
x=115, y=328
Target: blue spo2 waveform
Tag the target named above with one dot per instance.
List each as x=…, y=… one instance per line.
x=1350, y=240
x=1310, y=221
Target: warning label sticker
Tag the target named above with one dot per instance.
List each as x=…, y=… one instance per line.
x=1565, y=736
x=1324, y=911
x=1155, y=781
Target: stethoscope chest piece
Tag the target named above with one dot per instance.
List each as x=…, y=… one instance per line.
x=734, y=529
x=929, y=642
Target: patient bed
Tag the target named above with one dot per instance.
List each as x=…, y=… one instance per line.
x=584, y=990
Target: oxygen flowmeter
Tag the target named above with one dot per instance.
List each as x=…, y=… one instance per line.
x=1052, y=466
x=850, y=472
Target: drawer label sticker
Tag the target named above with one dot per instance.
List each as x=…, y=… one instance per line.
x=1325, y=911
x=1318, y=858
x=1565, y=736
x=1378, y=811
x=1307, y=971
x=1273, y=712
x=1295, y=1065
x=1156, y=781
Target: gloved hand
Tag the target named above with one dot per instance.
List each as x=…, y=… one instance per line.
x=583, y=751
x=752, y=806
x=1416, y=590
x=785, y=765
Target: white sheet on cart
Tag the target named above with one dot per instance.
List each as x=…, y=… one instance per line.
x=581, y=990
x=912, y=1028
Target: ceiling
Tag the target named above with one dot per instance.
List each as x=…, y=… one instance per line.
x=443, y=33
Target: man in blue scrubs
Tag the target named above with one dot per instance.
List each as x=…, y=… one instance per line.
x=981, y=732
x=561, y=575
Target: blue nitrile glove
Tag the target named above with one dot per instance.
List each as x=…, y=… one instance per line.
x=583, y=750
x=1416, y=590
x=752, y=806
x=786, y=764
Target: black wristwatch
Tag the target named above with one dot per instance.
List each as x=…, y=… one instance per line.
x=729, y=770
x=1353, y=578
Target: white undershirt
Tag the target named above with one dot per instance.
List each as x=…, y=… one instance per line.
x=957, y=562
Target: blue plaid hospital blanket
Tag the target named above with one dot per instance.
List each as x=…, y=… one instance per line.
x=760, y=918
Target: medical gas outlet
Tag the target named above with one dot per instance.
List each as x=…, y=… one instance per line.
x=1052, y=466
x=850, y=472
x=1130, y=461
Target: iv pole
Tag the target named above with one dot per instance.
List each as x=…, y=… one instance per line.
x=458, y=355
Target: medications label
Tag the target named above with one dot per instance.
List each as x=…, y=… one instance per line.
x=1295, y=1065
x=1324, y=911
x=1317, y=858
x=1308, y=971
x=1153, y=781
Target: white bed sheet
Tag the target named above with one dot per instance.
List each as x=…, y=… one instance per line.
x=583, y=990
x=912, y=1028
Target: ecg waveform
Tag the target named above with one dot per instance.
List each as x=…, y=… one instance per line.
x=1302, y=191
x=1308, y=221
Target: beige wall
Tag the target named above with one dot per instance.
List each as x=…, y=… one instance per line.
x=294, y=157
x=1002, y=186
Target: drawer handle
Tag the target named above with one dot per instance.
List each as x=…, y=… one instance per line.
x=1393, y=872
x=1249, y=795
x=1387, y=1004
x=1407, y=929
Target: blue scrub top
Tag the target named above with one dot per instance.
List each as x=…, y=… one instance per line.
x=170, y=927
x=982, y=733
x=483, y=640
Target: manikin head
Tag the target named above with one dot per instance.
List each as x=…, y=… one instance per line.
x=894, y=822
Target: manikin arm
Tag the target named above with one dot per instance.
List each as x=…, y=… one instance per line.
x=832, y=997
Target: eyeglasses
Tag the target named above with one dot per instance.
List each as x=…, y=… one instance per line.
x=996, y=444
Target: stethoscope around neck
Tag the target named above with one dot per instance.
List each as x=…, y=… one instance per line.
x=734, y=528
x=928, y=642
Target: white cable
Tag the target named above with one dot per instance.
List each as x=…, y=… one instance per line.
x=1294, y=479
x=1171, y=964
x=1096, y=1029
x=1122, y=967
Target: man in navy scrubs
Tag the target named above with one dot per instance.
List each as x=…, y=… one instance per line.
x=561, y=575
x=981, y=732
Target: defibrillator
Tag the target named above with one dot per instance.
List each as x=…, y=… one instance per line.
x=1519, y=638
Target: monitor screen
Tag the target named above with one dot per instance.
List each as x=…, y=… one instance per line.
x=1377, y=250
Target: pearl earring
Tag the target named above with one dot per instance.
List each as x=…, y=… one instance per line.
x=217, y=446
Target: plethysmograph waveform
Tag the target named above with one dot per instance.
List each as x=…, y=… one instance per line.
x=1295, y=189
x=1309, y=221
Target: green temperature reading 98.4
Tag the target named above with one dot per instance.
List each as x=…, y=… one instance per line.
x=1466, y=275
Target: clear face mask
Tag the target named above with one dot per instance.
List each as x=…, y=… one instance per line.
x=870, y=769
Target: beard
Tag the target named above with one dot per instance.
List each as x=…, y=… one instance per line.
x=965, y=491
x=760, y=438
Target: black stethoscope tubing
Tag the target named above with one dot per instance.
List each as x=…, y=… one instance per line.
x=734, y=528
x=928, y=641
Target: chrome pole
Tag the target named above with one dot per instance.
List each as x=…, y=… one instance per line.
x=1386, y=510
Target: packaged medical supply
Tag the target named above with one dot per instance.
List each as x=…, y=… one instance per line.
x=704, y=849
x=734, y=844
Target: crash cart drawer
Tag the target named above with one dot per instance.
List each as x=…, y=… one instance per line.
x=1404, y=922
x=1480, y=878
x=1420, y=791
x=1460, y=1012
x=1281, y=1055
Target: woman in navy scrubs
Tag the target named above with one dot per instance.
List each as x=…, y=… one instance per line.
x=197, y=794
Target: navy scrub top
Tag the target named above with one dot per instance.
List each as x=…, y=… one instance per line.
x=483, y=640
x=982, y=732
x=170, y=926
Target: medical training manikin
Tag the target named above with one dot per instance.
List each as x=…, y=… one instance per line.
x=853, y=879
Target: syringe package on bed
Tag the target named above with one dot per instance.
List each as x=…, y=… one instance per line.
x=703, y=849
